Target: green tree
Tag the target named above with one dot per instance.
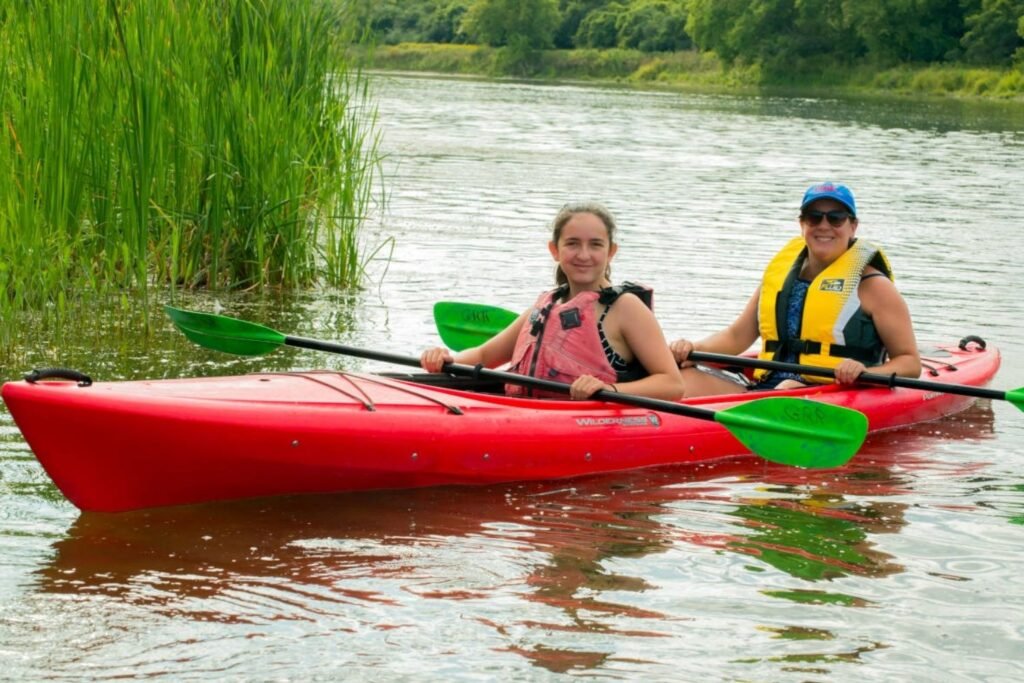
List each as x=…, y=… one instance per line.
x=765, y=31
x=393, y=21
x=908, y=30
x=653, y=26
x=599, y=29
x=519, y=27
x=573, y=13
x=993, y=35
x=753, y=31
x=775, y=33
x=712, y=25
x=824, y=28
x=1020, y=32
x=443, y=24
x=520, y=24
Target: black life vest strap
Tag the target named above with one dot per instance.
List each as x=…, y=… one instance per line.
x=797, y=347
x=539, y=318
x=608, y=295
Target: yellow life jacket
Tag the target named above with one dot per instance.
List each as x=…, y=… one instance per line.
x=833, y=325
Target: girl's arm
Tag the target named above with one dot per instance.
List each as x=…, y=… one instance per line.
x=492, y=353
x=643, y=335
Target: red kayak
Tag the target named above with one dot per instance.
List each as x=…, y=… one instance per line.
x=114, y=446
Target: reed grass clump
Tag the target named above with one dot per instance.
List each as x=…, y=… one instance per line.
x=220, y=143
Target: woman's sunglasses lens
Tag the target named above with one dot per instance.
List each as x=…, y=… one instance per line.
x=835, y=218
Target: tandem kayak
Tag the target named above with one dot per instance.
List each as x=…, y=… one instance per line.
x=113, y=446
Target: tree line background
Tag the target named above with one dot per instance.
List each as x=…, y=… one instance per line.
x=775, y=34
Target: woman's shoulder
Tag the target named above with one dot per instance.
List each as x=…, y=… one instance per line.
x=872, y=273
x=875, y=286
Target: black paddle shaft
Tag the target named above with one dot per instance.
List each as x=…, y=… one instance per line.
x=510, y=377
x=866, y=377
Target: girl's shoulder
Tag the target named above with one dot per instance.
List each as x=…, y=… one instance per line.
x=629, y=305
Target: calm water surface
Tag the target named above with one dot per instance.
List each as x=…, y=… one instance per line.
x=908, y=562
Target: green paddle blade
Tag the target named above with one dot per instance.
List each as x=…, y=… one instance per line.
x=464, y=326
x=797, y=431
x=1016, y=397
x=226, y=334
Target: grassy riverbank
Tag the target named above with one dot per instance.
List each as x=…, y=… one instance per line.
x=701, y=71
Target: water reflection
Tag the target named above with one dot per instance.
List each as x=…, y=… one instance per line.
x=941, y=115
x=108, y=347
x=580, y=552
x=821, y=537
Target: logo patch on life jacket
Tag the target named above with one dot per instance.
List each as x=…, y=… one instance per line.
x=833, y=285
x=570, y=318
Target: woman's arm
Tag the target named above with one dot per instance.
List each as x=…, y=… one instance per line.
x=733, y=340
x=888, y=310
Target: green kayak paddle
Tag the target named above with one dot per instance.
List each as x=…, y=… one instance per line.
x=453, y=312
x=790, y=431
x=465, y=326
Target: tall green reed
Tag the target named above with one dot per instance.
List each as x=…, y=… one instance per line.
x=217, y=143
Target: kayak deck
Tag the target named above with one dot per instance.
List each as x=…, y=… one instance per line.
x=125, y=445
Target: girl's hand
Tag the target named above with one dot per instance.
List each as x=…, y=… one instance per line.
x=432, y=360
x=586, y=386
x=681, y=350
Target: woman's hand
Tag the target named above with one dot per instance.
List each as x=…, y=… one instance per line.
x=681, y=350
x=848, y=371
x=432, y=360
x=585, y=386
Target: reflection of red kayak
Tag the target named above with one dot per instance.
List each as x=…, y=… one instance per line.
x=123, y=445
x=796, y=520
x=201, y=550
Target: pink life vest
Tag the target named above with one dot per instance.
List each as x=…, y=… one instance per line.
x=560, y=341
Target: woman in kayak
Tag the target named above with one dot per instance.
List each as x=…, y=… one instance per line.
x=826, y=299
x=584, y=332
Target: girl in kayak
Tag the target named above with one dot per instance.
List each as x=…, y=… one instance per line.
x=585, y=332
x=826, y=299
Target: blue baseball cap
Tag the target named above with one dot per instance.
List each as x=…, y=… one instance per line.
x=830, y=190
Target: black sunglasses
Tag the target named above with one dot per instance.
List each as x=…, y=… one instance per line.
x=835, y=218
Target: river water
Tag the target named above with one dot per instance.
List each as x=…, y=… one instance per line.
x=906, y=563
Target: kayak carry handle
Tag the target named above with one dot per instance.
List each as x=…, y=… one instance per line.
x=971, y=338
x=40, y=374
